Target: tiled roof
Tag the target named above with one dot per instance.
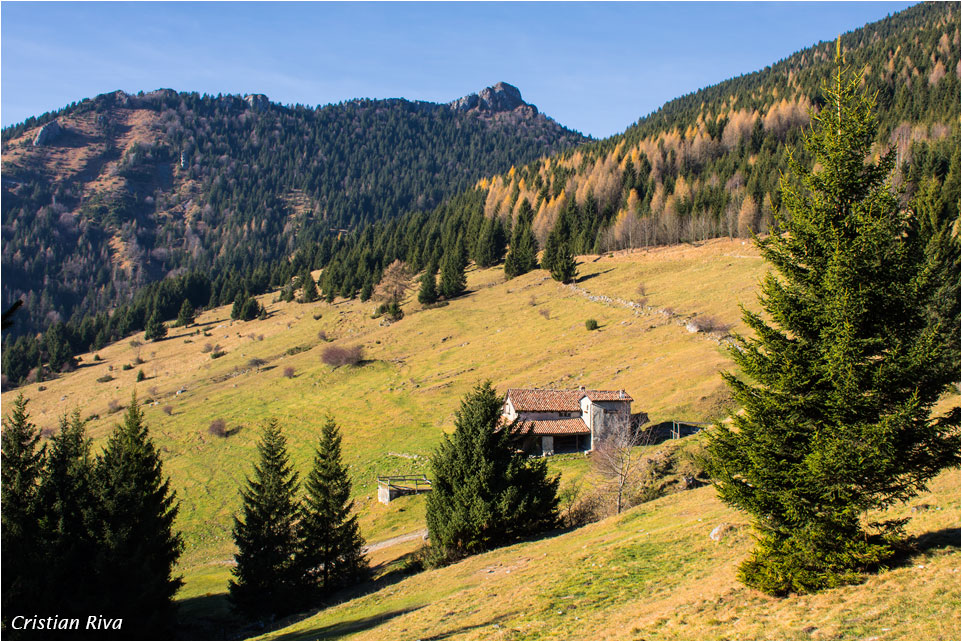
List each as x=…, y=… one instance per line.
x=573, y=426
x=543, y=400
x=608, y=395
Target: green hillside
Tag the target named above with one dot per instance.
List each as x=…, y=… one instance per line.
x=529, y=331
x=655, y=573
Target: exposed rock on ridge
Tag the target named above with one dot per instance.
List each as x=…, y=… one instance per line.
x=47, y=133
x=257, y=102
x=502, y=97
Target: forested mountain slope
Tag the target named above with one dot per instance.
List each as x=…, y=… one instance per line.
x=708, y=164
x=124, y=189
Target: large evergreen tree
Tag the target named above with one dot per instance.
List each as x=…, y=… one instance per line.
x=453, y=280
x=186, y=315
x=68, y=546
x=428, y=292
x=844, y=368
x=308, y=287
x=485, y=492
x=330, y=547
x=139, y=544
x=267, y=581
x=22, y=462
x=523, y=253
x=156, y=329
x=563, y=265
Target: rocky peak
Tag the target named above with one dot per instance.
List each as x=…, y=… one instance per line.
x=501, y=97
x=47, y=133
x=257, y=102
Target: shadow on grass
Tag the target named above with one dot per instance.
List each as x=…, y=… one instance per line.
x=585, y=277
x=944, y=538
x=462, y=631
x=207, y=617
x=348, y=627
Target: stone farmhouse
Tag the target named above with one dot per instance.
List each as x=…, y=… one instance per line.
x=564, y=421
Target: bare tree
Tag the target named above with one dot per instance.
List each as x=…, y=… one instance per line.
x=395, y=282
x=615, y=460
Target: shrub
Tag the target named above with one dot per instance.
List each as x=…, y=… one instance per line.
x=546, y=313
x=255, y=362
x=642, y=289
x=532, y=301
x=317, y=316
x=342, y=355
x=97, y=357
x=708, y=324
x=218, y=354
x=168, y=410
x=322, y=335
x=126, y=366
x=140, y=375
x=139, y=360
x=218, y=427
x=113, y=406
x=591, y=324
x=208, y=347
x=391, y=311
x=289, y=372
x=136, y=343
x=105, y=378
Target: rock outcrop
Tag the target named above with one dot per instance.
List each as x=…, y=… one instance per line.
x=502, y=97
x=257, y=102
x=47, y=133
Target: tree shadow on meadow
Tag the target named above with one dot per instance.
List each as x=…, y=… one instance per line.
x=348, y=627
x=585, y=277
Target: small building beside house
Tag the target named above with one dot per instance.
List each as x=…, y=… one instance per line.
x=564, y=421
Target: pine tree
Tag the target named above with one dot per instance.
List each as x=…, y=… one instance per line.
x=155, y=330
x=428, y=293
x=551, y=246
x=453, y=280
x=237, y=310
x=843, y=378
x=251, y=309
x=67, y=547
x=140, y=545
x=489, y=248
x=563, y=268
x=485, y=492
x=267, y=581
x=22, y=464
x=330, y=547
x=186, y=315
x=308, y=288
x=523, y=254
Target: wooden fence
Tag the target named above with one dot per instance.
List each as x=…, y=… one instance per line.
x=393, y=486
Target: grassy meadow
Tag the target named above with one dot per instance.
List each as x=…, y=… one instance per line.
x=395, y=405
x=655, y=573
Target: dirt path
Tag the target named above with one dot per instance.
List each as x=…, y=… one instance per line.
x=421, y=534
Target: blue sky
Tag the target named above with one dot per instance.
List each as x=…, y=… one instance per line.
x=595, y=67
